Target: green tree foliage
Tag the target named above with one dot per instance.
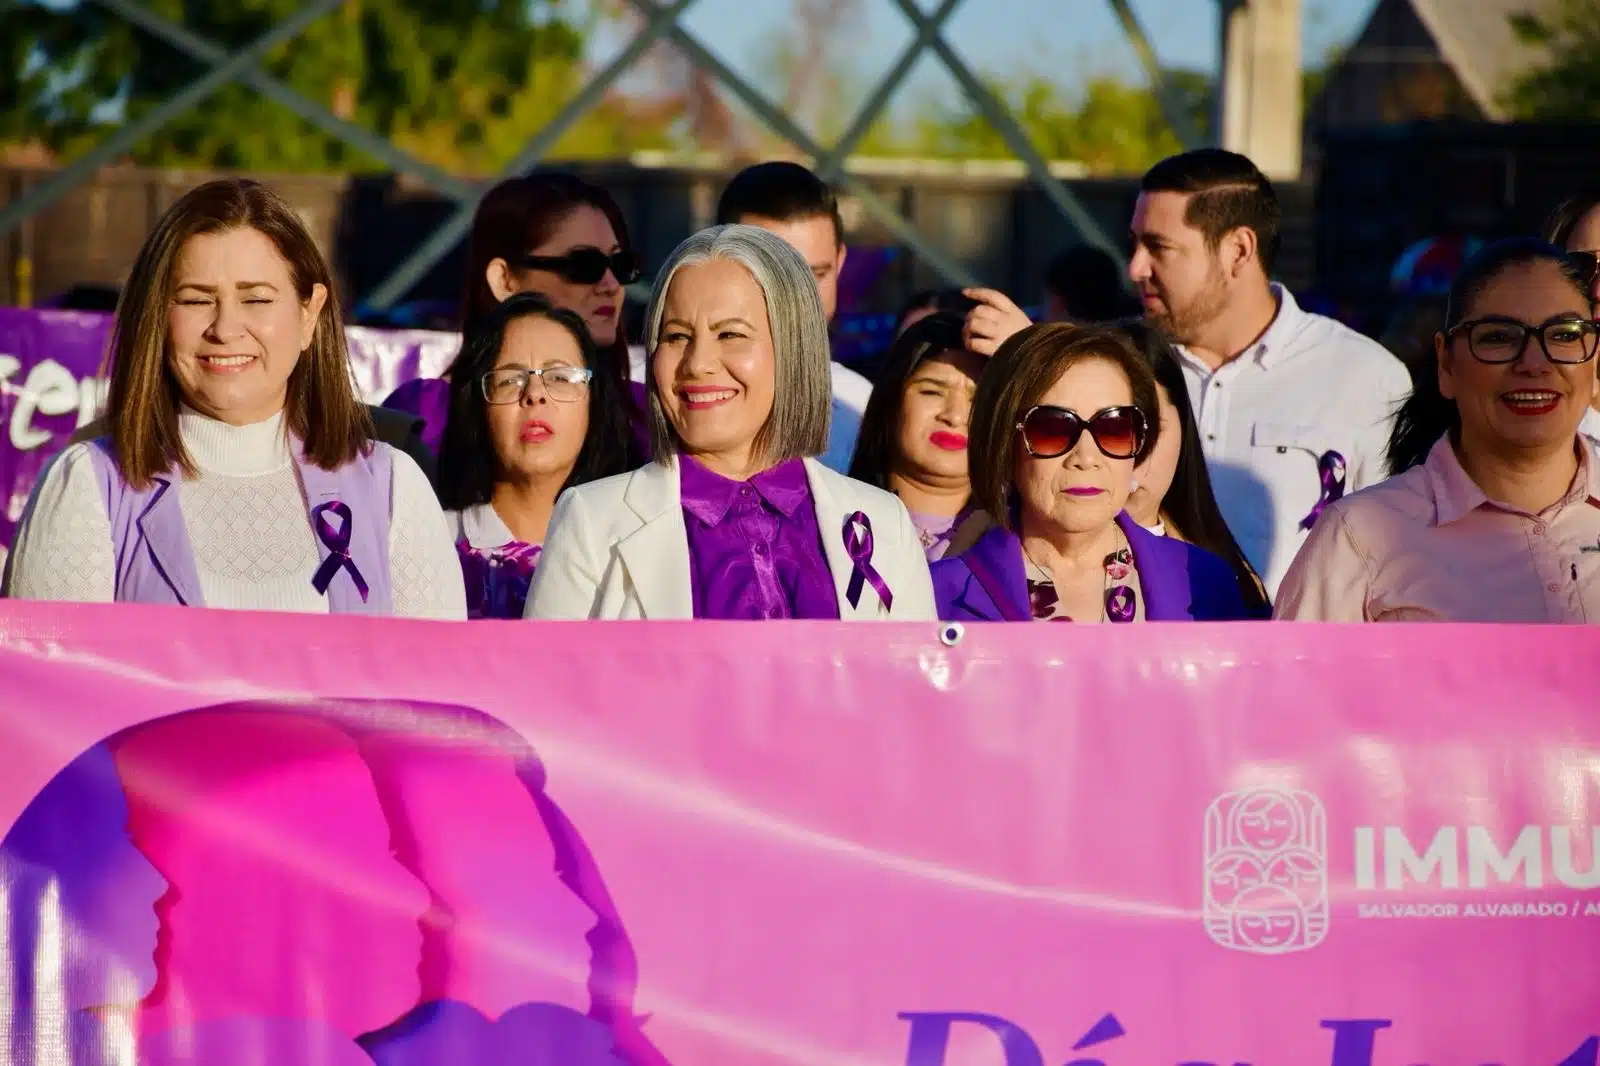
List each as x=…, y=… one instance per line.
x=1110, y=126
x=460, y=83
x=1565, y=84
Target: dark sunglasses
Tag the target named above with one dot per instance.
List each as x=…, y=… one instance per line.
x=1587, y=264
x=586, y=266
x=1051, y=432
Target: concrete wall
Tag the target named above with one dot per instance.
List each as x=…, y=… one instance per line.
x=1000, y=225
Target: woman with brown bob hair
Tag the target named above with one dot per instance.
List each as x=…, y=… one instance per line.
x=1062, y=416
x=237, y=467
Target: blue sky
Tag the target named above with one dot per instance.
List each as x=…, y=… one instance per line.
x=1073, y=39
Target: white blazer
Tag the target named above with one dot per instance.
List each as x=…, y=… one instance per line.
x=618, y=548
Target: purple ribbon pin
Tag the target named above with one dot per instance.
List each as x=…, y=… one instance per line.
x=858, y=545
x=1331, y=468
x=337, y=541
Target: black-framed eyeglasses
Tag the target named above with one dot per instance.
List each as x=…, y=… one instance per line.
x=586, y=266
x=563, y=384
x=1049, y=432
x=1499, y=339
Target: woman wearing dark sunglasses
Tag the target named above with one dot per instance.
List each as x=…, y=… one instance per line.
x=1061, y=417
x=557, y=235
x=1174, y=497
x=1492, y=509
x=535, y=409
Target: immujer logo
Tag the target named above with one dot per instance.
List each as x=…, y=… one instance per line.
x=1266, y=871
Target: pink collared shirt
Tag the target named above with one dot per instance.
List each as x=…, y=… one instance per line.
x=1428, y=545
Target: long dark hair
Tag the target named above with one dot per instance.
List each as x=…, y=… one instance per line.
x=518, y=215
x=468, y=464
x=1565, y=218
x=880, y=422
x=1190, y=506
x=1427, y=414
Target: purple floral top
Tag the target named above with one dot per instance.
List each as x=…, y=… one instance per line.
x=755, y=548
x=496, y=567
x=1122, y=601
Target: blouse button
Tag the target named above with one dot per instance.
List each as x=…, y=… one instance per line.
x=1553, y=588
x=761, y=548
x=1538, y=529
x=774, y=612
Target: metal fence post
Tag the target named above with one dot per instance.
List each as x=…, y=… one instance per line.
x=952, y=271
x=439, y=243
x=212, y=53
x=998, y=116
x=116, y=145
x=829, y=166
x=1171, y=107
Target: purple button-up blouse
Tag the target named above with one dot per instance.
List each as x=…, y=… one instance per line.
x=755, y=549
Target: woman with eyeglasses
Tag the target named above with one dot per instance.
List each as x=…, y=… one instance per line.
x=1061, y=417
x=1492, y=509
x=534, y=409
x=557, y=235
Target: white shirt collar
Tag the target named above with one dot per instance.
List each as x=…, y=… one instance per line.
x=483, y=527
x=1589, y=425
x=1273, y=343
x=234, y=451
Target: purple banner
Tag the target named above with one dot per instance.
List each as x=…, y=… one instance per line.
x=51, y=383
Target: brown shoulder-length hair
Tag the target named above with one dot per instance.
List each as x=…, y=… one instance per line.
x=322, y=409
x=1022, y=371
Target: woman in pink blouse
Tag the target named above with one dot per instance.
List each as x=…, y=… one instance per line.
x=1493, y=510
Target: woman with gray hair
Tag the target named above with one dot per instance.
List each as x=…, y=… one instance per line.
x=735, y=519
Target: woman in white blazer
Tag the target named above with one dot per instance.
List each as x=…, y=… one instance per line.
x=734, y=519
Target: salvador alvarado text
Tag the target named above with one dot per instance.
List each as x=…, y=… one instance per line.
x=1347, y=1042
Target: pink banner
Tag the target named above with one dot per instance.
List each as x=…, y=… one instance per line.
x=333, y=841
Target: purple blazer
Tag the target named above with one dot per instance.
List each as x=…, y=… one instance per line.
x=1179, y=582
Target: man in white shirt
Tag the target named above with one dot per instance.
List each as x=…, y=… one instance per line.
x=1293, y=408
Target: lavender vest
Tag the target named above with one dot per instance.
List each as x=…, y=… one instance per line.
x=349, y=510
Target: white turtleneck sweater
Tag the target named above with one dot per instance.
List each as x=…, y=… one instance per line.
x=247, y=520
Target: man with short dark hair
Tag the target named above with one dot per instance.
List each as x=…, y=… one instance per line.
x=789, y=200
x=1294, y=409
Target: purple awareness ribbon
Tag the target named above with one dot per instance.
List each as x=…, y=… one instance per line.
x=858, y=545
x=337, y=541
x=1331, y=468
